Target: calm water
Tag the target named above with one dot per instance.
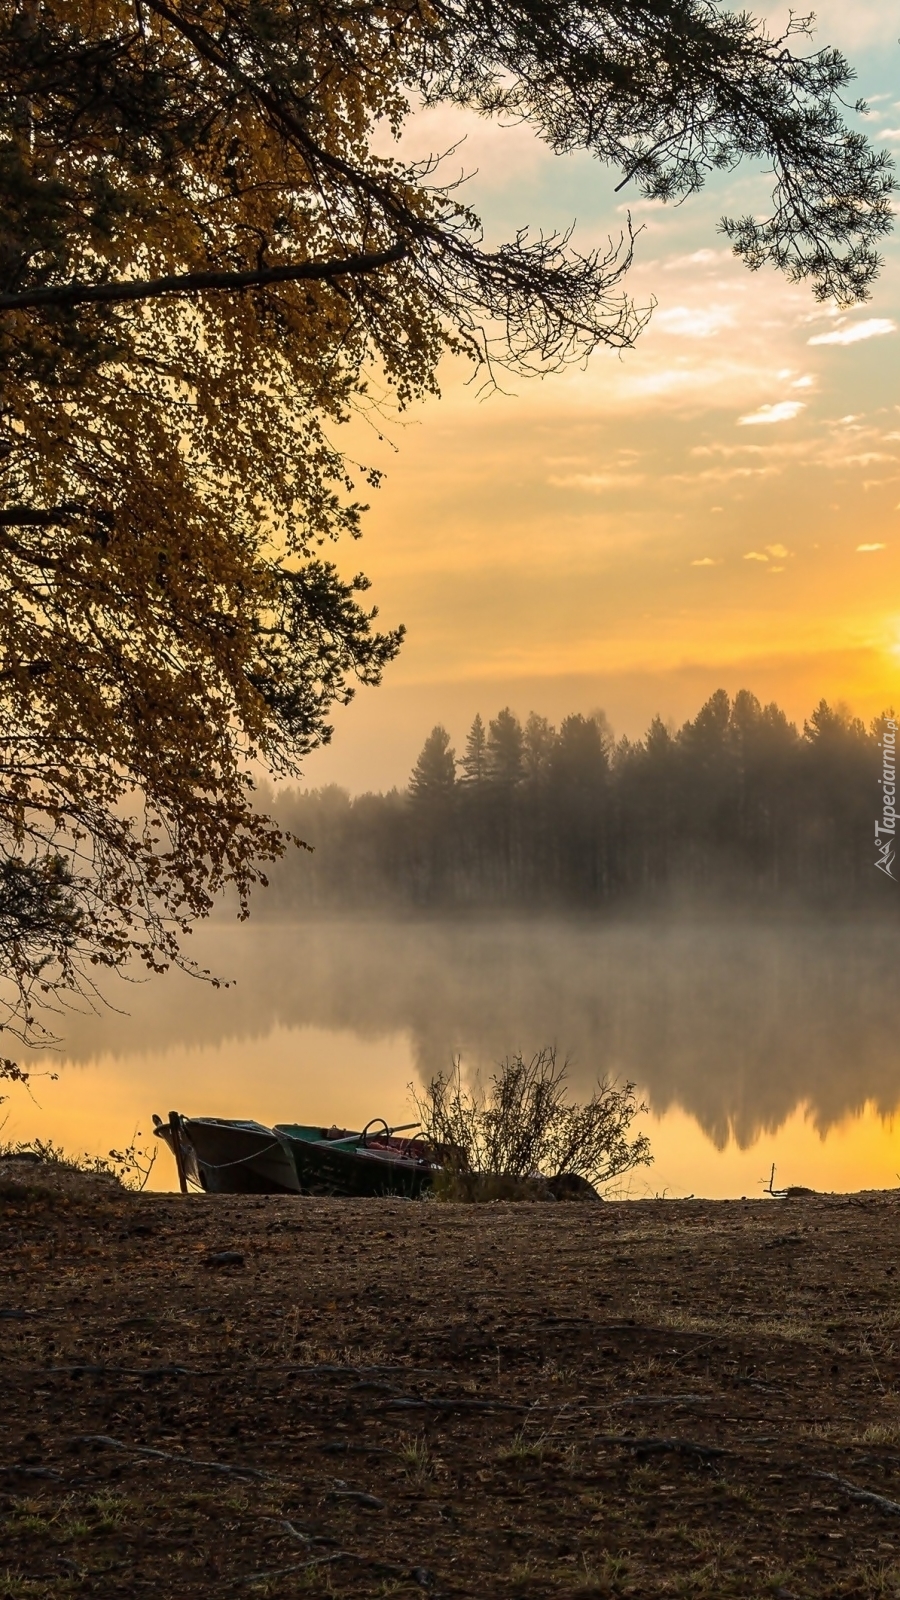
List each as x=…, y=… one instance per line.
x=751, y=1042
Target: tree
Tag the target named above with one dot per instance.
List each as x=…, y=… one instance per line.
x=537, y=747
x=672, y=91
x=432, y=789
x=736, y=804
x=200, y=261
x=646, y=819
x=433, y=778
x=505, y=749
x=475, y=761
x=579, y=759
x=764, y=743
x=579, y=767
x=842, y=768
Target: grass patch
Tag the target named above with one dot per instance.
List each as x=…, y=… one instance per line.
x=727, y=1325
x=415, y=1457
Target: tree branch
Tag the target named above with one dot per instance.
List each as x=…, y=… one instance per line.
x=313, y=152
x=32, y=517
x=68, y=294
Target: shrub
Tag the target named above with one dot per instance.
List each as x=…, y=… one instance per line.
x=129, y=1168
x=500, y=1142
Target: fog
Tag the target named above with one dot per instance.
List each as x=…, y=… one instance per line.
x=737, y=1022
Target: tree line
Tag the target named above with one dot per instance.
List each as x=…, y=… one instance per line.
x=737, y=801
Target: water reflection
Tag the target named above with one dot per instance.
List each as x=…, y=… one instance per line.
x=736, y=1024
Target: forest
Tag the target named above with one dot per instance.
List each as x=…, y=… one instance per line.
x=737, y=803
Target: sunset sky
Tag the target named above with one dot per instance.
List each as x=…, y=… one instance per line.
x=719, y=506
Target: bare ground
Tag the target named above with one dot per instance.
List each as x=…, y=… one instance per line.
x=385, y=1398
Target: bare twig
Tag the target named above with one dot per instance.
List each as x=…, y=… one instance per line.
x=663, y=1400
x=107, y=1443
x=15, y=1470
x=864, y=1496
x=645, y=1446
x=359, y=1498
x=297, y=1566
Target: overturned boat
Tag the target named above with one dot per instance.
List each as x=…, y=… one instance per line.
x=221, y=1156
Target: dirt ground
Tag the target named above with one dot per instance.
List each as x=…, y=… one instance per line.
x=303, y=1397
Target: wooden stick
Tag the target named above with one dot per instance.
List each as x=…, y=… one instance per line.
x=866, y=1497
x=107, y=1443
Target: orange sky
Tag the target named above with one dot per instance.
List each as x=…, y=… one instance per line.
x=720, y=506
x=687, y=515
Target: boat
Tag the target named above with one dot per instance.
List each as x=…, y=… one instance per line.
x=221, y=1156
x=372, y=1162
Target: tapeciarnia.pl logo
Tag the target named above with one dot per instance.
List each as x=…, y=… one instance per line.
x=884, y=846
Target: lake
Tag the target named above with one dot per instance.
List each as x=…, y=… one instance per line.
x=752, y=1041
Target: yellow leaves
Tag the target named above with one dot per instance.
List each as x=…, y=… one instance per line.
x=174, y=452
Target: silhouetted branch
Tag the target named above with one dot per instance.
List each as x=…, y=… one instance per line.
x=188, y=283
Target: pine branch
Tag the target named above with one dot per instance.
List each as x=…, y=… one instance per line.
x=68, y=294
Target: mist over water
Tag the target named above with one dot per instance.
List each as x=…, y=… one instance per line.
x=735, y=1022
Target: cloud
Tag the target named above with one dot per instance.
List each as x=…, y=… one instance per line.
x=723, y=475
x=889, y=133
x=777, y=552
x=596, y=482
x=687, y=322
x=697, y=258
x=865, y=549
x=854, y=332
x=706, y=561
x=782, y=411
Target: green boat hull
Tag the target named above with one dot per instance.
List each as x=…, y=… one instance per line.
x=344, y=1167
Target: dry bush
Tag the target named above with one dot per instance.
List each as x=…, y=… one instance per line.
x=522, y=1138
x=130, y=1168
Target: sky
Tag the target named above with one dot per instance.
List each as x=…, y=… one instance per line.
x=718, y=507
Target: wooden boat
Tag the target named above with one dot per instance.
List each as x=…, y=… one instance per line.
x=368, y=1163
x=233, y=1157
x=229, y=1157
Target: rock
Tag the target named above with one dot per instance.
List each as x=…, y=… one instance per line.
x=224, y=1258
x=569, y=1186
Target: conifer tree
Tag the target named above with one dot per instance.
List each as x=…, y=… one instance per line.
x=776, y=811
x=475, y=761
x=505, y=749
x=433, y=778
x=579, y=758
x=537, y=746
